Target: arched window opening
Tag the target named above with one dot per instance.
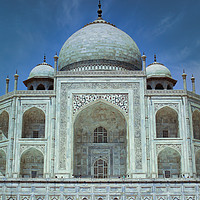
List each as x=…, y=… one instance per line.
x=40, y=87
x=100, y=135
x=100, y=198
x=169, y=87
x=196, y=124
x=50, y=87
x=169, y=163
x=30, y=88
x=32, y=164
x=167, y=123
x=149, y=87
x=2, y=163
x=4, y=124
x=100, y=169
x=197, y=163
x=159, y=87
x=84, y=198
x=33, y=124
x=115, y=198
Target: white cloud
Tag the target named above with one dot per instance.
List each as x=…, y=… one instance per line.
x=166, y=23
x=67, y=11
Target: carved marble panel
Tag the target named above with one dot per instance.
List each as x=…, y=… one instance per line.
x=120, y=100
x=160, y=147
x=196, y=148
x=158, y=106
x=25, y=197
x=24, y=147
x=25, y=107
x=195, y=108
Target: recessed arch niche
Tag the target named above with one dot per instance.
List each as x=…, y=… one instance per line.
x=2, y=163
x=4, y=124
x=33, y=123
x=197, y=163
x=196, y=124
x=169, y=163
x=87, y=150
x=32, y=164
x=167, y=125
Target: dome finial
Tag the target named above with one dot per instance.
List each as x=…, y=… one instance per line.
x=99, y=11
x=155, y=60
x=44, y=58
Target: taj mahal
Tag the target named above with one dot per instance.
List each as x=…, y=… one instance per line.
x=100, y=125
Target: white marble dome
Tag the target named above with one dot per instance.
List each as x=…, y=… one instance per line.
x=100, y=41
x=157, y=70
x=42, y=70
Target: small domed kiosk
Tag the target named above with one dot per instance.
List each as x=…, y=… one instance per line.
x=159, y=77
x=41, y=77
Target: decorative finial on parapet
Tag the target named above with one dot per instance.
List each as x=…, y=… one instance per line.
x=144, y=62
x=7, y=84
x=155, y=60
x=184, y=80
x=44, y=58
x=193, y=83
x=16, y=81
x=99, y=11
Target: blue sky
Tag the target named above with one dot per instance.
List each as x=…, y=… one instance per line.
x=30, y=28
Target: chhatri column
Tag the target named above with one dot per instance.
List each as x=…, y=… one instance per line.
x=193, y=83
x=184, y=80
x=7, y=84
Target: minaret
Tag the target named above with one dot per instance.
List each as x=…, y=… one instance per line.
x=184, y=80
x=7, y=84
x=193, y=83
x=16, y=81
x=144, y=62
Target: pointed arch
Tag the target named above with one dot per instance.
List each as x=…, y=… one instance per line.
x=167, y=124
x=196, y=124
x=2, y=163
x=40, y=87
x=4, y=125
x=111, y=124
x=31, y=87
x=33, y=123
x=159, y=86
x=169, y=163
x=32, y=163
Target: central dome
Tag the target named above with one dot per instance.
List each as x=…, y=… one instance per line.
x=99, y=43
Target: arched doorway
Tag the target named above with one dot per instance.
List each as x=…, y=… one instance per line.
x=32, y=164
x=100, y=137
